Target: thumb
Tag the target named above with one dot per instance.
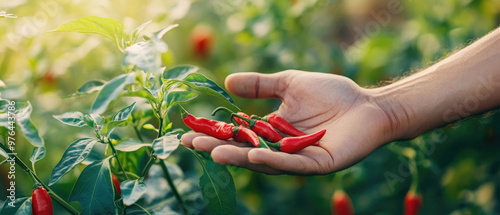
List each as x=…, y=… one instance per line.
x=257, y=85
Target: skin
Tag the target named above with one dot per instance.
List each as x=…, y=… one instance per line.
x=359, y=120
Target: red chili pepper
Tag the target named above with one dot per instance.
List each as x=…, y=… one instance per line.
x=262, y=128
x=241, y=122
x=238, y=120
x=117, y=184
x=282, y=125
x=413, y=202
x=342, y=204
x=202, y=41
x=242, y=134
x=295, y=144
x=217, y=129
x=41, y=203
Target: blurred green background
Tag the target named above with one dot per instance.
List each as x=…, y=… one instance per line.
x=368, y=41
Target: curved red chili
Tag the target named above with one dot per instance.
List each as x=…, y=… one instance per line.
x=262, y=128
x=242, y=134
x=217, y=129
x=295, y=144
x=117, y=184
x=282, y=125
x=41, y=203
x=342, y=204
x=238, y=120
x=413, y=202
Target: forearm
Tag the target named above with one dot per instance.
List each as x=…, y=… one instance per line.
x=463, y=84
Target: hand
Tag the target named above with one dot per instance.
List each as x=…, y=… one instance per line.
x=355, y=122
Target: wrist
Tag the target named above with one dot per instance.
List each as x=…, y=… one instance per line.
x=400, y=118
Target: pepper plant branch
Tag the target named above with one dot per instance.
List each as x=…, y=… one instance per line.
x=33, y=167
x=173, y=187
x=167, y=174
x=135, y=128
x=116, y=157
x=23, y=166
x=149, y=164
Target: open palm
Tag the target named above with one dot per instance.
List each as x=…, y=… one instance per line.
x=355, y=123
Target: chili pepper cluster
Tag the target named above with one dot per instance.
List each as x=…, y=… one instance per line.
x=259, y=131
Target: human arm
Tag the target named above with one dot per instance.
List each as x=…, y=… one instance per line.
x=359, y=120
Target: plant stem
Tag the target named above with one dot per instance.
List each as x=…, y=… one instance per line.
x=173, y=187
x=164, y=167
x=135, y=128
x=58, y=199
x=149, y=164
x=116, y=157
x=414, y=176
x=160, y=127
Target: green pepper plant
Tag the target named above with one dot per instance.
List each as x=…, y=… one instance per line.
x=137, y=159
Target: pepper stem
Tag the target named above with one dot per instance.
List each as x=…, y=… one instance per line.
x=415, y=179
x=258, y=118
x=266, y=144
x=115, y=155
x=183, y=111
x=222, y=108
x=250, y=122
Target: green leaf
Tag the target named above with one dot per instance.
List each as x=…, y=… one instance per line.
x=133, y=161
x=4, y=104
x=21, y=206
x=176, y=97
x=27, y=127
x=120, y=117
x=135, y=34
x=136, y=209
x=123, y=114
x=146, y=54
x=150, y=127
x=37, y=154
x=165, y=145
x=74, y=154
x=93, y=120
x=72, y=118
x=179, y=72
x=158, y=43
x=202, y=84
x=142, y=94
x=130, y=145
x=90, y=86
x=107, y=27
x=159, y=34
x=143, y=55
x=217, y=186
x=132, y=190
x=110, y=91
x=94, y=189
x=3, y=153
